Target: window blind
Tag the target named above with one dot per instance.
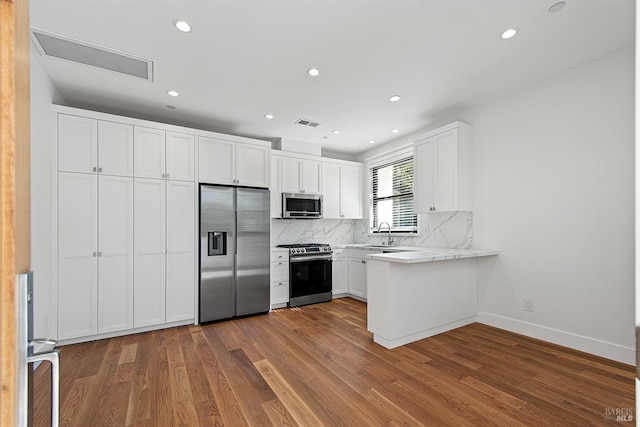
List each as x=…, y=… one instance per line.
x=392, y=196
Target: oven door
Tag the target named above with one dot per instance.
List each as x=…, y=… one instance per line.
x=309, y=275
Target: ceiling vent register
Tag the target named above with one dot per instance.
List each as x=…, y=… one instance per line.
x=305, y=122
x=57, y=46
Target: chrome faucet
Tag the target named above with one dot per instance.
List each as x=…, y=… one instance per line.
x=389, y=239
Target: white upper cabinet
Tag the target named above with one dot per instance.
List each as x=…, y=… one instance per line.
x=77, y=144
x=94, y=146
x=300, y=175
x=160, y=154
x=234, y=163
x=115, y=148
x=149, y=152
x=276, y=188
x=443, y=161
x=342, y=190
x=180, y=156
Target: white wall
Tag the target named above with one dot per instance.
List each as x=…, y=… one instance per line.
x=43, y=94
x=554, y=192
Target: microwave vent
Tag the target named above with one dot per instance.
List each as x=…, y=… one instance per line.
x=305, y=122
x=66, y=48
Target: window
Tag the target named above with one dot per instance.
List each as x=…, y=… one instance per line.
x=392, y=196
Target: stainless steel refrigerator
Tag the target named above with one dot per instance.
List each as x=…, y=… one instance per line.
x=234, y=252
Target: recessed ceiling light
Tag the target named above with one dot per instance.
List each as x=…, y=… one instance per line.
x=395, y=98
x=172, y=93
x=509, y=33
x=335, y=132
x=313, y=72
x=171, y=107
x=557, y=7
x=183, y=26
x=371, y=141
x=268, y=116
x=395, y=131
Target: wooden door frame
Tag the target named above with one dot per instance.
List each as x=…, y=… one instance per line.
x=14, y=190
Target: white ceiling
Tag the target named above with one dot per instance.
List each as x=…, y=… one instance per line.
x=247, y=58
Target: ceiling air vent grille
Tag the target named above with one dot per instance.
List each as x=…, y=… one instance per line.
x=55, y=45
x=305, y=122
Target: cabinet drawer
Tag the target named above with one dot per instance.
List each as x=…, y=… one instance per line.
x=279, y=271
x=279, y=292
x=280, y=256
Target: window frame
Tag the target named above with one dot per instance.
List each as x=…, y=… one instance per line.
x=381, y=160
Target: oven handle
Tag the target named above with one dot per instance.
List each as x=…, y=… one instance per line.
x=310, y=258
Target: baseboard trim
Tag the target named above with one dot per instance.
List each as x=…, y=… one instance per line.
x=567, y=339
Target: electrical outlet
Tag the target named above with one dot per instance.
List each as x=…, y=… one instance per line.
x=527, y=304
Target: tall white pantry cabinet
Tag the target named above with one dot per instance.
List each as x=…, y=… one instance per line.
x=126, y=217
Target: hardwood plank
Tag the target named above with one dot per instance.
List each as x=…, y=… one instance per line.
x=317, y=365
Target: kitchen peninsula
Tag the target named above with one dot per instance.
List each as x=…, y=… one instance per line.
x=419, y=293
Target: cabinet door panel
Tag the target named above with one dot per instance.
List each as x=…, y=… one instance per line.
x=215, y=161
x=338, y=270
x=291, y=175
x=351, y=192
x=357, y=277
x=77, y=144
x=445, y=173
x=276, y=188
x=252, y=165
x=423, y=176
x=181, y=236
x=331, y=191
x=180, y=156
x=311, y=176
x=149, y=158
x=115, y=148
x=115, y=249
x=77, y=255
x=149, y=288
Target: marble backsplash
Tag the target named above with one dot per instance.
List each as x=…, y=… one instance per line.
x=451, y=230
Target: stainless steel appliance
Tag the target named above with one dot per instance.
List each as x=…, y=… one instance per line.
x=234, y=252
x=309, y=273
x=301, y=205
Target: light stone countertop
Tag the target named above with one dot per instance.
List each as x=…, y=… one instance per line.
x=415, y=254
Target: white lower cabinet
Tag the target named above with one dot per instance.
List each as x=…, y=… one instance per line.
x=339, y=273
x=164, y=241
x=279, y=277
x=95, y=254
x=357, y=277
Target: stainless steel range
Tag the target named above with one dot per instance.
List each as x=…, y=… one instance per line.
x=309, y=273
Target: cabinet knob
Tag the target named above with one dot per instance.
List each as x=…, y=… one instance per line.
x=99, y=169
x=280, y=284
x=363, y=261
x=100, y=253
x=167, y=175
x=95, y=169
x=95, y=254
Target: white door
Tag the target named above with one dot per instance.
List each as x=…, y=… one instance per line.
x=115, y=148
x=252, y=165
x=351, y=192
x=291, y=175
x=423, y=176
x=77, y=255
x=181, y=234
x=115, y=253
x=149, y=155
x=331, y=190
x=149, y=231
x=215, y=161
x=445, y=175
x=276, y=188
x=181, y=156
x=311, y=176
x=77, y=144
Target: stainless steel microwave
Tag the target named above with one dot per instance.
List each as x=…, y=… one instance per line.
x=301, y=205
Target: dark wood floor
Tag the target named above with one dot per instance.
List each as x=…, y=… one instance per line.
x=317, y=365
